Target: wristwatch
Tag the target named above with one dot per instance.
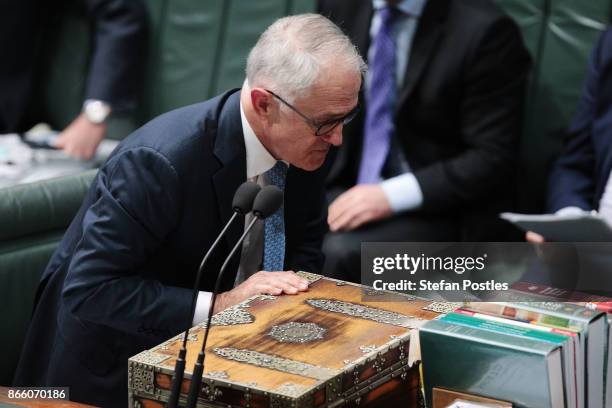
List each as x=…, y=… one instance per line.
x=96, y=111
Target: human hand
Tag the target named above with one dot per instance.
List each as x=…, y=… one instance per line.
x=81, y=138
x=361, y=204
x=534, y=238
x=262, y=282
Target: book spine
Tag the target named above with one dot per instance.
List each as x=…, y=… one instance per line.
x=568, y=311
x=494, y=338
x=519, y=312
x=518, y=327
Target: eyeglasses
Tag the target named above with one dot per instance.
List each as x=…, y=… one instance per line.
x=320, y=128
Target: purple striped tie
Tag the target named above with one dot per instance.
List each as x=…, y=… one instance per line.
x=379, y=114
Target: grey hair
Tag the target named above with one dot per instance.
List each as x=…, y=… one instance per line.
x=291, y=53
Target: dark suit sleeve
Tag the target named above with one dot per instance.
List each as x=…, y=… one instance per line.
x=117, y=61
x=572, y=181
x=137, y=205
x=491, y=119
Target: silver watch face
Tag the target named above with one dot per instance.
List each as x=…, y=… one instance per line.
x=96, y=111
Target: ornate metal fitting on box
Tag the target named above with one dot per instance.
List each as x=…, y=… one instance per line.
x=218, y=374
x=310, y=277
x=369, y=291
x=275, y=363
x=149, y=357
x=211, y=392
x=379, y=362
x=280, y=401
x=443, y=307
x=141, y=378
x=366, y=312
x=233, y=315
x=247, y=397
x=402, y=348
x=367, y=348
x=333, y=389
x=291, y=389
x=267, y=297
x=297, y=332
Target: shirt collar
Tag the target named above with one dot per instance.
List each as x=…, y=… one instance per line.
x=410, y=7
x=258, y=159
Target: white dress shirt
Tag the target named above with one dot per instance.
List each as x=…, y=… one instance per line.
x=258, y=162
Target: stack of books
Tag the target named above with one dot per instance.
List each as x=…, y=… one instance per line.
x=535, y=354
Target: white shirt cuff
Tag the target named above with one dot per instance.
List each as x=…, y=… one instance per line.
x=571, y=210
x=202, y=307
x=403, y=192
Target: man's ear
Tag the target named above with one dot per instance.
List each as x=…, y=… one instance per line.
x=261, y=102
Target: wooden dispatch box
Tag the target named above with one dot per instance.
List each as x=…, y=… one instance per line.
x=338, y=344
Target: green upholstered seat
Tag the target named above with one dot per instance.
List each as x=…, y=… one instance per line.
x=33, y=219
x=560, y=35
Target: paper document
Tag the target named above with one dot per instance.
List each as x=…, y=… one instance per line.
x=584, y=227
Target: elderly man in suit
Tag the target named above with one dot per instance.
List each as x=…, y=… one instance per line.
x=432, y=158
x=120, y=280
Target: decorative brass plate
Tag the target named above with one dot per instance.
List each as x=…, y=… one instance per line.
x=366, y=312
x=297, y=332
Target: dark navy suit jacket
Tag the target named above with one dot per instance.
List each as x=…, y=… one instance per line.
x=581, y=172
x=119, y=281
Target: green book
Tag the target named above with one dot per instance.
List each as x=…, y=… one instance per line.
x=513, y=328
x=505, y=328
x=589, y=325
x=526, y=371
x=593, y=338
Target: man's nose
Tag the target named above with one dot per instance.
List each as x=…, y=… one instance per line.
x=335, y=136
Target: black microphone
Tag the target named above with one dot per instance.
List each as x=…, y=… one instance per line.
x=242, y=203
x=267, y=201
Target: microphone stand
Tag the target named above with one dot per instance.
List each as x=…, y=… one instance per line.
x=196, y=378
x=179, y=367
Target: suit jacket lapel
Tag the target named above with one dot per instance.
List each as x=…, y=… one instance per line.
x=431, y=26
x=230, y=150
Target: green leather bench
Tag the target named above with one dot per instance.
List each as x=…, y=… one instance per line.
x=560, y=35
x=33, y=219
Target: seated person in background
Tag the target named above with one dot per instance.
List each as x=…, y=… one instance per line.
x=120, y=280
x=580, y=179
x=116, y=65
x=433, y=156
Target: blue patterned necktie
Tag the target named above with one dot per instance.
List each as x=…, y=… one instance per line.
x=379, y=114
x=274, y=225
